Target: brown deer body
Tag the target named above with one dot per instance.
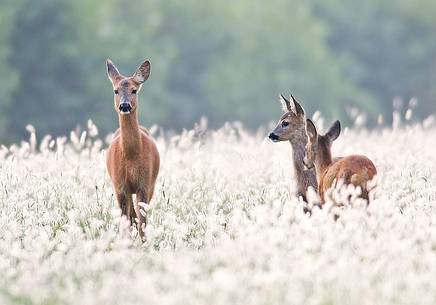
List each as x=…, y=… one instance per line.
x=354, y=169
x=132, y=158
x=292, y=127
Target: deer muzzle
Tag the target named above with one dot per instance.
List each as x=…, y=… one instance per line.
x=125, y=108
x=273, y=137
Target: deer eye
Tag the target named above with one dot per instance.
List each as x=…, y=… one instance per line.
x=116, y=91
x=133, y=91
x=284, y=124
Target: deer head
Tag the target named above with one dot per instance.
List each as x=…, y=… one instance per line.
x=126, y=88
x=318, y=148
x=292, y=124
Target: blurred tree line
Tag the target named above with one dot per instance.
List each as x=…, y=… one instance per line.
x=228, y=60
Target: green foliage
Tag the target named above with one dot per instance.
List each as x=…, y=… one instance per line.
x=8, y=75
x=52, y=92
x=390, y=46
x=225, y=60
x=284, y=52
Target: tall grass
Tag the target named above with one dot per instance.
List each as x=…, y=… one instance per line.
x=224, y=225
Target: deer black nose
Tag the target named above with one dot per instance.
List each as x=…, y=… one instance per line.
x=125, y=107
x=273, y=136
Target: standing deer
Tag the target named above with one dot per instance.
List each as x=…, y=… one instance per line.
x=292, y=127
x=354, y=169
x=132, y=158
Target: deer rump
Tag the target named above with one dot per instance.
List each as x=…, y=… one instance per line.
x=357, y=170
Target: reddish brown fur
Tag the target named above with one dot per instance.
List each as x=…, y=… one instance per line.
x=132, y=158
x=354, y=169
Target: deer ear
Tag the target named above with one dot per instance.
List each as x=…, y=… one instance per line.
x=112, y=71
x=142, y=73
x=334, y=131
x=298, y=109
x=286, y=104
x=311, y=129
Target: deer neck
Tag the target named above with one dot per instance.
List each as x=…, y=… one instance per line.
x=130, y=135
x=323, y=161
x=304, y=177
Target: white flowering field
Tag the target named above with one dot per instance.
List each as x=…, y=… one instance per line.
x=224, y=225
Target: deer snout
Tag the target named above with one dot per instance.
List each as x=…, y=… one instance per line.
x=273, y=137
x=125, y=106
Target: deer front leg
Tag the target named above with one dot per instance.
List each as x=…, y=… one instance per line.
x=141, y=196
x=132, y=213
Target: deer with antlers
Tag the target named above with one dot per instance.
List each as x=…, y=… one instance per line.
x=292, y=127
x=354, y=169
x=132, y=158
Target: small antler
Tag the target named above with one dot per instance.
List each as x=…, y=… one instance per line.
x=298, y=109
x=286, y=104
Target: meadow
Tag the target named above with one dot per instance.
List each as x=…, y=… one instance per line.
x=224, y=225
